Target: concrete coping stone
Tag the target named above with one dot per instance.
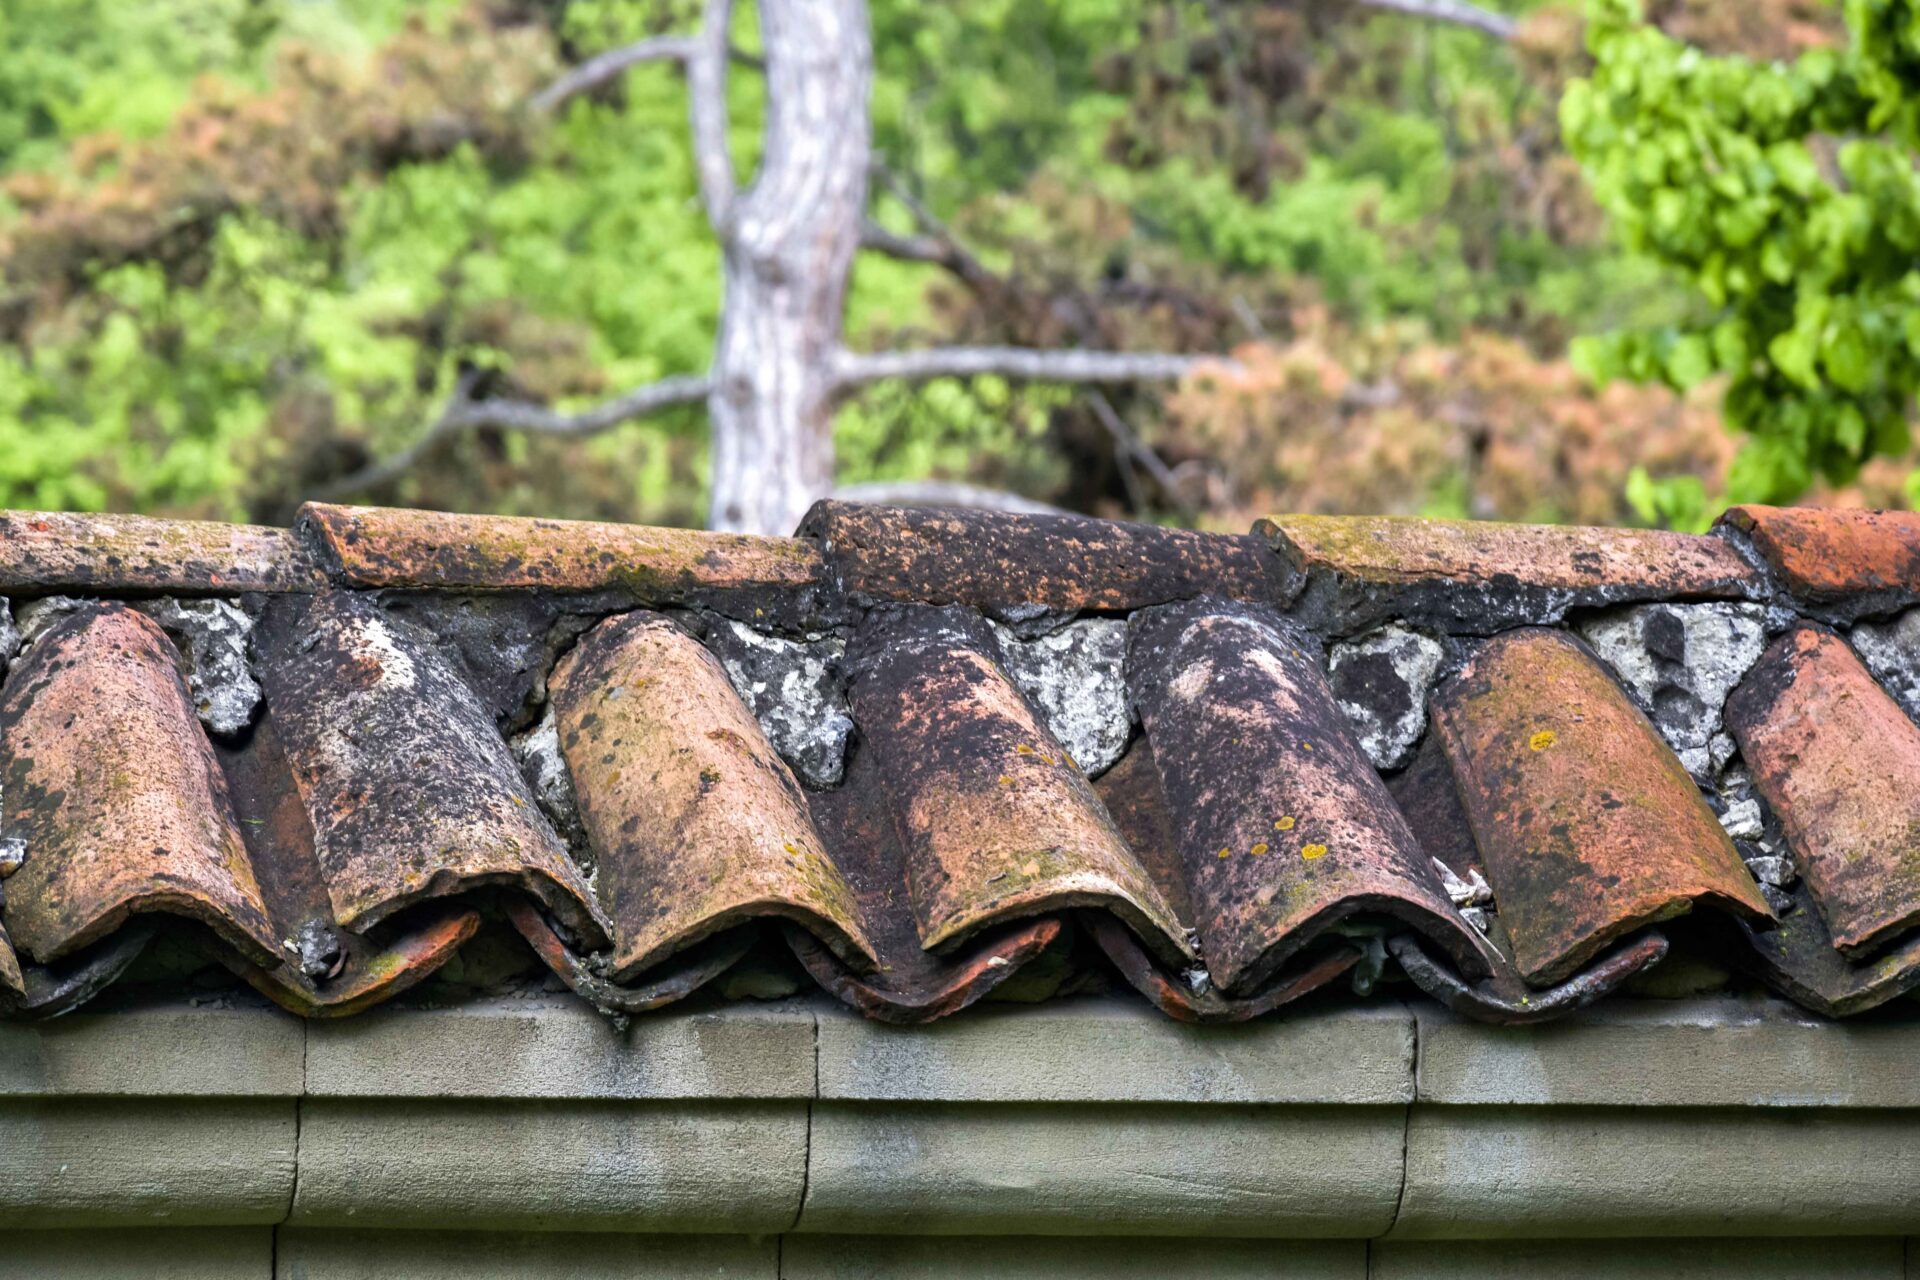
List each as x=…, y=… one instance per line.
x=1715, y=1052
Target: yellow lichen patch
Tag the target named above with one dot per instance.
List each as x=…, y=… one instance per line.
x=1306, y=746
x=1284, y=824
x=1313, y=851
x=1258, y=849
x=1224, y=852
x=1023, y=750
x=1006, y=780
x=1542, y=740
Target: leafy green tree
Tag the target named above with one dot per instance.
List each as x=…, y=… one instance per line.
x=1786, y=194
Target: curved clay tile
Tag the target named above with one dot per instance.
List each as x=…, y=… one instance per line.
x=1284, y=830
x=695, y=822
x=10, y=981
x=115, y=790
x=1426, y=794
x=45, y=551
x=1589, y=826
x=49, y=990
x=908, y=983
x=322, y=970
x=412, y=793
x=1837, y=759
x=995, y=821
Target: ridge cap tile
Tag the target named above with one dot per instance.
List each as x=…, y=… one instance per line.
x=45, y=551
x=1843, y=563
x=999, y=561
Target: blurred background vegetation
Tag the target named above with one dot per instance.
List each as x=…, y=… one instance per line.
x=250, y=245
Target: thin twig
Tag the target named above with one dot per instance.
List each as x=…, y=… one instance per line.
x=599, y=69
x=1125, y=439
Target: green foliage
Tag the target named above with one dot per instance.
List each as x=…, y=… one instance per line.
x=1785, y=193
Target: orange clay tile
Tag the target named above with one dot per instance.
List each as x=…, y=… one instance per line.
x=990, y=559
x=1838, y=761
x=381, y=547
x=908, y=984
x=366, y=968
x=10, y=982
x=47, y=991
x=696, y=824
x=412, y=793
x=1588, y=825
x=1857, y=560
x=44, y=552
x=1284, y=829
x=113, y=786
x=996, y=822
x=1473, y=575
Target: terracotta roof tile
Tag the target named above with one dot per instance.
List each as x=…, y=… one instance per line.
x=992, y=560
x=44, y=552
x=379, y=547
x=995, y=820
x=347, y=836
x=1588, y=824
x=1478, y=576
x=1837, y=759
x=696, y=823
x=412, y=793
x=322, y=969
x=1849, y=562
x=907, y=982
x=114, y=788
x=1284, y=829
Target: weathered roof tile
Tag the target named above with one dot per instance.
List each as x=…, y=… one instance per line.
x=412, y=793
x=42, y=552
x=995, y=561
x=997, y=823
x=1284, y=828
x=1838, y=760
x=1845, y=563
x=696, y=824
x=907, y=983
x=1589, y=826
x=114, y=787
x=1477, y=576
x=380, y=547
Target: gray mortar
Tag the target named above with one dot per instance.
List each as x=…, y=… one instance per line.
x=1681, y=661
x=1381, y=681
x=1891, y=651
x=794, y=689
x=9, y=634
x=537, y=751
x=36, y=617
x=213, y=635
x=1075, y=677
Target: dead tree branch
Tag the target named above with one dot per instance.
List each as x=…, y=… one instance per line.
x=597, y=70
x=1027, y=364
x=1458, y=12
x=707, y=114
x=463, y=414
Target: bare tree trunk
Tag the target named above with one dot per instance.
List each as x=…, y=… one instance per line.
x=789, y=246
